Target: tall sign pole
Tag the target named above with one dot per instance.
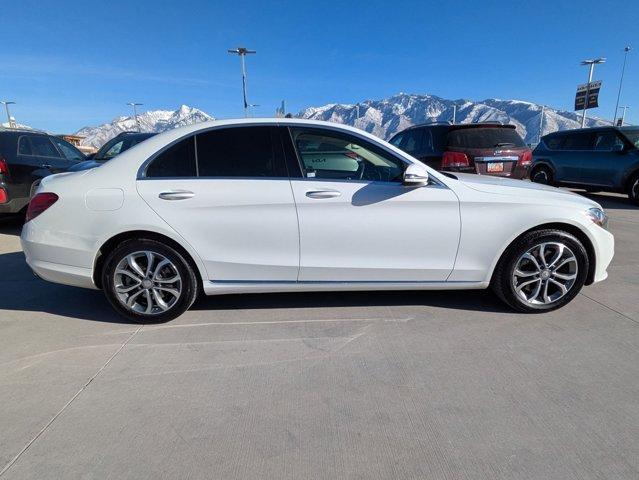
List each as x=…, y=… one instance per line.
x=242, y=52
x=591, y=64
x=6, y=103
x=135, y=113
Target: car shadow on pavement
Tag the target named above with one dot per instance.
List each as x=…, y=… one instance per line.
x=469, y=300
x=22, y=291
x=611, y=201
x=11, y=225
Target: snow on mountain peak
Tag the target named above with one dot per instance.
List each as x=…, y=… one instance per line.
x=386, y=117
x=151, y=121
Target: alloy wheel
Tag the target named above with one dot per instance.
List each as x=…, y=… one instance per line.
x=147, y=282
x=545, y=273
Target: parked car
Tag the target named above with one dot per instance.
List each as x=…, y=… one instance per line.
x=483, y=148
x=251, y=205
x=603, y=158
x=26, y=156
x=118, y=144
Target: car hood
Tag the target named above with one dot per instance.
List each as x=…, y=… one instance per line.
x=523, y=189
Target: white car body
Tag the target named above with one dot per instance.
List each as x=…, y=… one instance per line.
x=267, y=235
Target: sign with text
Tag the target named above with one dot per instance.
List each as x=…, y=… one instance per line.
x=592, y=91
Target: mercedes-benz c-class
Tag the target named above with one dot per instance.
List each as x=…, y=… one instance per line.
x=288, y=205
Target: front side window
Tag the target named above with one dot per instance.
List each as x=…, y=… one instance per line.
x=606, y=141
x=239, y=152
x=68, y=150
x=113, y=150
x=327, y=154
x=177, y=161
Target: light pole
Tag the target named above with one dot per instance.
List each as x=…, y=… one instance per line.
x=623, y=70
x=541, y=123
x=135, y=113
x=243, y=52
x=6, y=104
x=591, y=64
x=454, y=114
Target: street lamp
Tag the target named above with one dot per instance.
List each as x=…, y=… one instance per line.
x=591, y=64
x=6, y=104
x=135, y=113
x=243, y=52
x=623, y=70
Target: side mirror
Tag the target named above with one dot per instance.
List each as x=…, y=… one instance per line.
x=415, y=175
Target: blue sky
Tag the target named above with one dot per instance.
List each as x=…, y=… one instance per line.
x=69, y=64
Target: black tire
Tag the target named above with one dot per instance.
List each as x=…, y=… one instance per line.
x=542, y=174
x=633, y=189
x=504, y=275
x=187, y=285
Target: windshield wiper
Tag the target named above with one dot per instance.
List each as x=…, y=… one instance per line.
x=505, y=144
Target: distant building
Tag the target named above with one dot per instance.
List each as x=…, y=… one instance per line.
x=75, y=141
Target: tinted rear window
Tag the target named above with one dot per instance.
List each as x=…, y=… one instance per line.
x=578, y=141
x=490, y=137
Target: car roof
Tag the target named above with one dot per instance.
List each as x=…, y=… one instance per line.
x=602, y=128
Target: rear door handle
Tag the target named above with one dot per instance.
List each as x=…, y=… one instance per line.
x=176, y=195
x=323, y=193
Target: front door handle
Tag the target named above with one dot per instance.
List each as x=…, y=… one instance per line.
x=323, y=193
x=176, y=195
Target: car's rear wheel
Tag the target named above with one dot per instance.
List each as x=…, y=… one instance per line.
x=542, y=174
x=633, y=189
x=542, y=271
x=148, y=282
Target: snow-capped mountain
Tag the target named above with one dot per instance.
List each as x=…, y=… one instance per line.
x=152, y=121
x=390, y=115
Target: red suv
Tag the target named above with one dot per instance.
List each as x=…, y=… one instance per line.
x=482, y=148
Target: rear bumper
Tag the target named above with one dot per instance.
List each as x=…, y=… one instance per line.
x=54, y=260
x=518, y=173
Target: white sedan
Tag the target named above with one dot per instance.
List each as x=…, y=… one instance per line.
x=287, y=205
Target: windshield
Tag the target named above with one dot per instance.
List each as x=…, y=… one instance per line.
x=633, y=136
x=489, y=137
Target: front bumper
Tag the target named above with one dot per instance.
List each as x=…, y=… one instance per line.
x=604, y=245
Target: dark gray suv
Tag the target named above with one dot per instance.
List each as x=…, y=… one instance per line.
x=595, y=159
x=26, y=156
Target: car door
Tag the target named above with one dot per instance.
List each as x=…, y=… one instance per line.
x=575, y=149
x=227, y=192
x=604, y=163
x=359, y=223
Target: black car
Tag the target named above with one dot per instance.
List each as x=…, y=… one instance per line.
x=486, y=148
x=26, y=156
x=120, y=143
x=595, y=159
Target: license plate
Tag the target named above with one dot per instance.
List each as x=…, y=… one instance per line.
x=494, y=167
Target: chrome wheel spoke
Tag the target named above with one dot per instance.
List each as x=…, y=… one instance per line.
x=545, y=273
x=147, y=282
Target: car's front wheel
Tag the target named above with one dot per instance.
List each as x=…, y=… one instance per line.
x=542, y=174
x=148, y=282
x=542, y=271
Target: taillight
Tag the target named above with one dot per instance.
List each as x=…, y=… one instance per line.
x=4, y=198
x=526, y=158
x=454, y=159
x=4, y=168
x=39, y=203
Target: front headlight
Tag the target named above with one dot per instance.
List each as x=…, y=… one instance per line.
x=598, y=216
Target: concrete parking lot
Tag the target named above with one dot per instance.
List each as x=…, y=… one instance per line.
x=430, y=385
